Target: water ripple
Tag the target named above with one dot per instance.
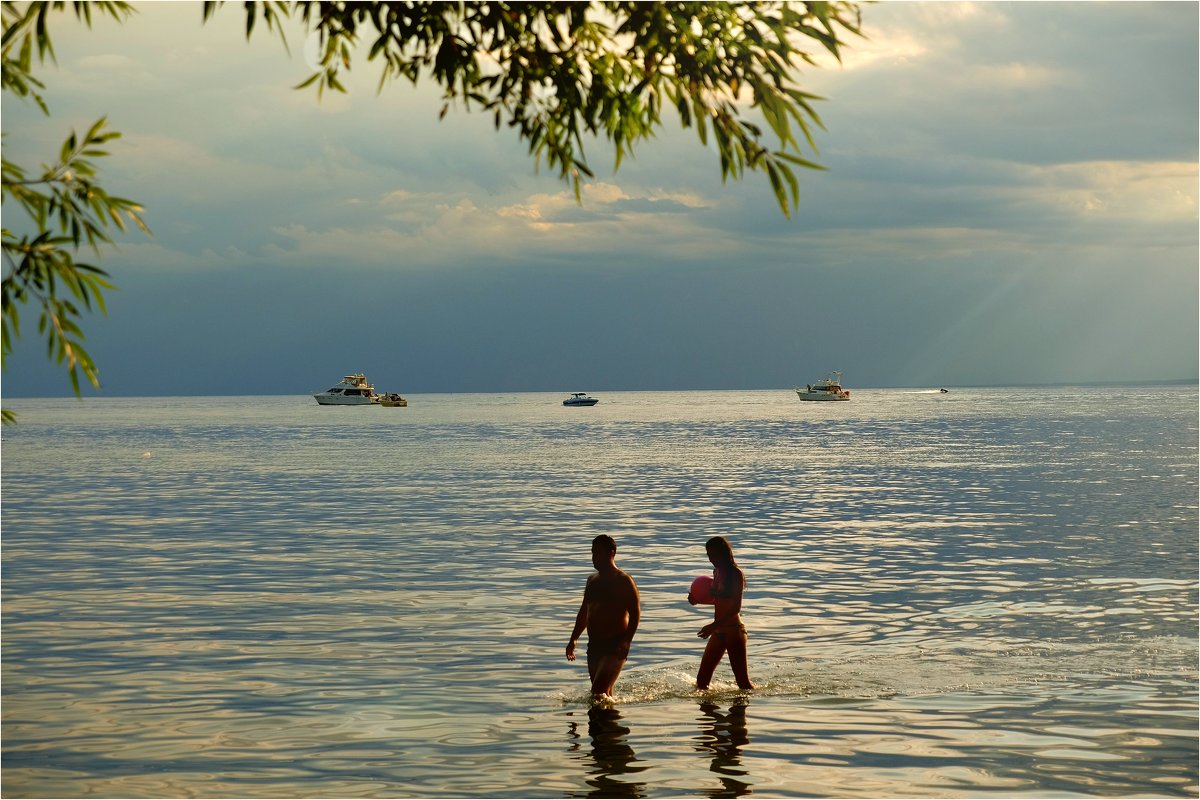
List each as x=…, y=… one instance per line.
x=982, y=593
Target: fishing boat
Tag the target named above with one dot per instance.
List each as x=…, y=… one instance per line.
x=353, y=390
x=580, y=399
x=828, y=388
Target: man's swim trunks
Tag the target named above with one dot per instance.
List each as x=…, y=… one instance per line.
x=599, y=649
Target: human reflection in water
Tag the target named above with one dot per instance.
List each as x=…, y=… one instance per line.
x=610, y=756
x=724, y=735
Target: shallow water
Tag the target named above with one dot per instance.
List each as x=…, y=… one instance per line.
x=989, y=592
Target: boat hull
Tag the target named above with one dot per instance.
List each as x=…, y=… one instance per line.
x=394, y=403
x=822, y=396
x=330, y=400
x=580, y=402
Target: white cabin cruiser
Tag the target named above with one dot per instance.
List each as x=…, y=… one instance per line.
x=352, y=391
x=829, y=388
x=580, y=399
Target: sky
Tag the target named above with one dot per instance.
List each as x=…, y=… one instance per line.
x=1010, y=199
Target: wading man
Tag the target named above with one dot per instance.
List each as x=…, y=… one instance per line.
x=611, y=611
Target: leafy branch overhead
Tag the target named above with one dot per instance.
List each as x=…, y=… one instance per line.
x=64, y=206
x=562, y=72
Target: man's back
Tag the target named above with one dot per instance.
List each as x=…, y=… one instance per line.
x=611, y=596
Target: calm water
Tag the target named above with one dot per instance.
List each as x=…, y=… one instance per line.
x=989, y=593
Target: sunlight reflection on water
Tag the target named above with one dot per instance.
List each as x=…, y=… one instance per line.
x=985, y=592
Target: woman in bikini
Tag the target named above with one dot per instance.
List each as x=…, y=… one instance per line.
x=725, y=633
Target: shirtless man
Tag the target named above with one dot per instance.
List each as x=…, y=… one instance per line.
x=611, y=611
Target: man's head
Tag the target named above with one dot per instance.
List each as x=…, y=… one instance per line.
x=604, y=550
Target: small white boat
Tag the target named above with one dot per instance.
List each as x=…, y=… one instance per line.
x=580, y=399
x=352, y=391
x=829, y=388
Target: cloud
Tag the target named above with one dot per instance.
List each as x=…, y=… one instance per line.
x=1154, y=196
x=650, y=205
x=111, y=63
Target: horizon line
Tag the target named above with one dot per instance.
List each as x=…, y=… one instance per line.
x=1058, y=384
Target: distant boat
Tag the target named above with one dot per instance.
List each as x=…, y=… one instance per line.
x=354, y=390
x=829, y=388
x=393, y=401
x=580, y=399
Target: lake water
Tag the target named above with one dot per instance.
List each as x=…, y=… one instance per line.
x=987, y=593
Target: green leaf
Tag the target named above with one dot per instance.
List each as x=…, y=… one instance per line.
x=803, y=162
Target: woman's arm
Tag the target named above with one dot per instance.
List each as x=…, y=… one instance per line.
x=729, y=583
x=729, y=587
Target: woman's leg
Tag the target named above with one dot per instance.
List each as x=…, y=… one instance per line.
x=737, y=659
x=712, y=656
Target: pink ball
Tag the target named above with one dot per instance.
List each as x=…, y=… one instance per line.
x=702, y=590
